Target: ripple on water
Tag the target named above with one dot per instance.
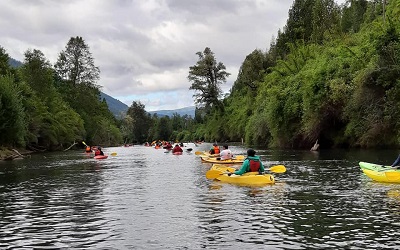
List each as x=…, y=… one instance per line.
x=146, y=199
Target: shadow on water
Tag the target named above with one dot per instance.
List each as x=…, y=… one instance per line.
x=143, y=198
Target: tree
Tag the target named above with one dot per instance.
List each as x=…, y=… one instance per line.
x=50, y=120
x=76, y=81
x=12, y=116
x=141, y=121
x=37, y=72
x=206, y=77
x=76, y=64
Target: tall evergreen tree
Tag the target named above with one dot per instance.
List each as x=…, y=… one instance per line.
x=206, y=77
x=141, y=121
x=76, y=65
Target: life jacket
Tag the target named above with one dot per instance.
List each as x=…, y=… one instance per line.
x=88, y=149
x=177, y=149
x=97, y=152
x=216, y=150
x=254, y=165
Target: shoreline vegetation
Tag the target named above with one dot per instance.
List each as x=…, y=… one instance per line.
x=330, y=79
x=8, y=154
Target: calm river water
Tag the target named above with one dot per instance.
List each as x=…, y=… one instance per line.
x=144, y=198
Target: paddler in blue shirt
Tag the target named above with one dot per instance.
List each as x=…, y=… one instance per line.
x=251, y=164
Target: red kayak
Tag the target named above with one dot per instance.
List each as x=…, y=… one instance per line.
x=101, y=157
x=177, y=153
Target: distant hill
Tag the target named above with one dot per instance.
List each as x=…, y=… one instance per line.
x=116, y=107
x=182, y=111
x=14, y=63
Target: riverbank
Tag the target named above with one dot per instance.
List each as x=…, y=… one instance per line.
x=11, y=153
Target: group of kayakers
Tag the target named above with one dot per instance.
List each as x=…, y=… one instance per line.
x=95, y=149
x=252, y=163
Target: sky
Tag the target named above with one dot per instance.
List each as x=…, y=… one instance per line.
x=144, y=48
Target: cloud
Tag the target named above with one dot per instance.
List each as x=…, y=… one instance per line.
x=144, y=48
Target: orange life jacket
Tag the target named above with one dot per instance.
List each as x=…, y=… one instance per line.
x=254, y=165
x=216, y=150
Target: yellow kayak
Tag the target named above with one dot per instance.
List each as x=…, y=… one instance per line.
x=248, y=179
x=215, y=160
x=380, y=173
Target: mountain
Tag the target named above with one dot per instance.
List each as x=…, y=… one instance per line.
x=14, y=63
x=182, y=111
x=119, y=108
x=116, y=107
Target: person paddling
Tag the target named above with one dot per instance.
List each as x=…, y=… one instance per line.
x=214, y=149
x=177, y=149
x=98, y=152
x=226, y=153
x=251, y=164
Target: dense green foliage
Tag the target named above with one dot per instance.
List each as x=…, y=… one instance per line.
x=42, y=107
x=331, y=75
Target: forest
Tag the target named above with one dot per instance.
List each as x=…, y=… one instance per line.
x=331, y=74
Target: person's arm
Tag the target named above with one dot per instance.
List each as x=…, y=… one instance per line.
x=243, y=169
x=262, y=169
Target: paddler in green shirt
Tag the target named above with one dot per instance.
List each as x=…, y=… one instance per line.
x=251, y=164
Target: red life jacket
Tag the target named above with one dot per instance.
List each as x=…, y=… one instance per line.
x=216, y=150
x=97, y=152
x=254, y=165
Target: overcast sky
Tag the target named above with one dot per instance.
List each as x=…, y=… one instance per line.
x=144, y=48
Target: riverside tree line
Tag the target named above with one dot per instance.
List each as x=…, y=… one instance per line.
x=331, y=74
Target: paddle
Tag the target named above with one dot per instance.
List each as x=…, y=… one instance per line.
x=114, y=154
x=212, y=174
x=239, y=157
x=198, y=153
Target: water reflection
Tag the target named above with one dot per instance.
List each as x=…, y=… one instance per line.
x=147, y=199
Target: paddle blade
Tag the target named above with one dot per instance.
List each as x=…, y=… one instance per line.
x=239, y=157
x=198, y=153
x=84, y=144
x=212, y=174
x=114, y=154
x=278, y=169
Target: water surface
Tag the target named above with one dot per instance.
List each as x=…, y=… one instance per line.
x=144, y=198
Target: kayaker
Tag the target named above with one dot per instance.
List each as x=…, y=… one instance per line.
x=177, y=149
x=88, y=149
x=214, y=149
x=98, y=152
x=168, y=146
x=251, y=164
x=396, y=162
x=225, y=153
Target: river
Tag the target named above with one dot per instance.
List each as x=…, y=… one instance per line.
x=144, y=198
